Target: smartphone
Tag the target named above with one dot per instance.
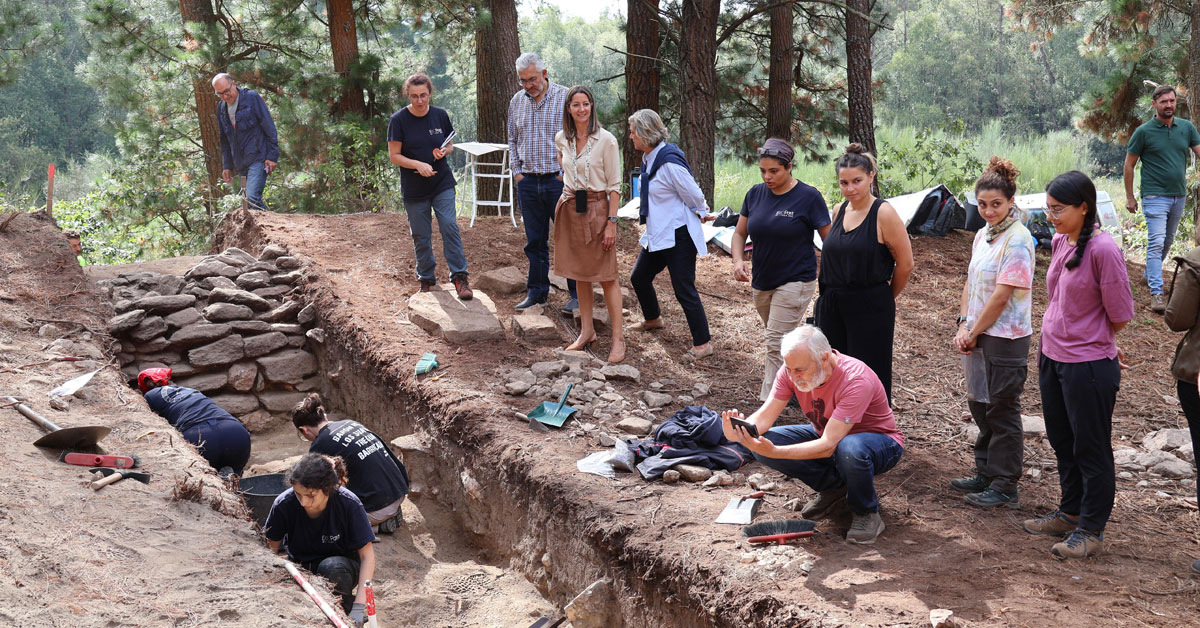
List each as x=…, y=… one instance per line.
x=746, y=425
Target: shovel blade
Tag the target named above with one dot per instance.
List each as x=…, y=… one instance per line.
x=546, y=413
x=73, y=437
x=739, y=511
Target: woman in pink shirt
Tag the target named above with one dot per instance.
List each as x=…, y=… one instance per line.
x=1080, y=365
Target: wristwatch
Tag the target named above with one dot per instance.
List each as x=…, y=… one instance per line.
x=612, y=219
x=960, y=320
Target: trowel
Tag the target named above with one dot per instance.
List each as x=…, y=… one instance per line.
x=741, y=510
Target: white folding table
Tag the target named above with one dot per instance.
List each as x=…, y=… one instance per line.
x=476, y=170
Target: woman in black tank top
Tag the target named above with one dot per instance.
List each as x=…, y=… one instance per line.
x=865, y=263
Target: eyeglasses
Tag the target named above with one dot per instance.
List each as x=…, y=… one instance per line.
x=232, y=86
x=1056, y=212
x=529, y=81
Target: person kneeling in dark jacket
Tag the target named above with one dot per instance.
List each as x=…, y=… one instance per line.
x=220, y=438
x=377, y=477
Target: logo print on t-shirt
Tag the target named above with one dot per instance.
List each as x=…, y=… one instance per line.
x=818, y=411
x=785, y=213
x=435, y=131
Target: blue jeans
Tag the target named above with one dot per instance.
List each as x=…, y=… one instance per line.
x=857, y=460
x=255, y=180
x=537, y=195
x=1162, y=219
x=420, y=220
x=222, y=442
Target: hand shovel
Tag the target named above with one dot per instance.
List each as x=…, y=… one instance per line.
x=741, y=510
x=62, y=438
x=556, y=416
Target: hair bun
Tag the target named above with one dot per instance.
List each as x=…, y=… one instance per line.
x=311, y=403
x=1004, y=168
x=856, y=148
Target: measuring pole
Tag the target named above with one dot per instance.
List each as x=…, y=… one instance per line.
x=50, y=193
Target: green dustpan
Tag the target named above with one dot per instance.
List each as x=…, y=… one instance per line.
x=554, y=414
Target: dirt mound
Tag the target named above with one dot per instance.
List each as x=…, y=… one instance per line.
x=130, y=554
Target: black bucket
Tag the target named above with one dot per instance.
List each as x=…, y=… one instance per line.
x=260, y=492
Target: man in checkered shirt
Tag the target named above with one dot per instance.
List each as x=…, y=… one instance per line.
x=535, y=114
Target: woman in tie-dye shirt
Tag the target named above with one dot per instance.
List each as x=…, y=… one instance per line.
x=995, y=319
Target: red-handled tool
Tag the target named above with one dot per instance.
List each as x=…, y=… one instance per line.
x=96, y=460
x=779, y=532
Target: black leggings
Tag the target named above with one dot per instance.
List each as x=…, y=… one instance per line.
x=861, y=322
x=1189, y=398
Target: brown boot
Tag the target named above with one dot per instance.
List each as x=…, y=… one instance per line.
x=1053, y=524
x=463, y=287
x=1080, y=544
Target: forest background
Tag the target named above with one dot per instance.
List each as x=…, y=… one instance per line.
x=116, y=93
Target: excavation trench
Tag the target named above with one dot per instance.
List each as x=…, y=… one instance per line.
x=486, y=541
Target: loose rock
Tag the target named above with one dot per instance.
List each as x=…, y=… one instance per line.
x=693, y=473
x=671, y=476
x=621, y=372
x=221, y=312
x=544, y=370
x=635, y=426
x=506, y=280
x=656, y=399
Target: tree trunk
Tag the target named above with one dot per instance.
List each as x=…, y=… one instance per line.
x=698, y=89
x=779, y=81
x=642, y=71
x=201, y=11
x=1193, y=91
x=343, y=39
x=858, y=74
x=496, y=50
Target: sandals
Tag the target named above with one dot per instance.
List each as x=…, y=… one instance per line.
x=577, y=346
x=646, y=326
x=614, y=356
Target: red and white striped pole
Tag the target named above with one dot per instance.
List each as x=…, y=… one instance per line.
x=371, y=621
x=316, y=597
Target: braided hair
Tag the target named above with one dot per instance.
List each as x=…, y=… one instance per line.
x=309, y=412
x=318, y=472
x=1075, y=188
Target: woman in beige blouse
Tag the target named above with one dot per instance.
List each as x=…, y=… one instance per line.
x=585, y=235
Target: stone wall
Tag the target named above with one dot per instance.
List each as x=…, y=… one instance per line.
x=233, y=327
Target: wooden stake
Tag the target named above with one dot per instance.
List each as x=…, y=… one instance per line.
x=50, y=193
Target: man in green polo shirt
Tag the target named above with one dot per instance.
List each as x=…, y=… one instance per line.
x=1162, y=144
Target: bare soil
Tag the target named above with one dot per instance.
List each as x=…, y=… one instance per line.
x=130, y=555
x=936, y=552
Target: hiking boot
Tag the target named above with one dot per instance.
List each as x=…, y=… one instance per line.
x=463, y=287
x=388, y=526
x=426, y=286
x=1196, y=566
x=820, y=505
x=1158, y=304
x=1080, y=544
x=991, y=498
x=1053, y=524
x=865, y=529
x=974, y=484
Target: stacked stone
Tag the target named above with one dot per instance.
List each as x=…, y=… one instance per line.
x=233, y=327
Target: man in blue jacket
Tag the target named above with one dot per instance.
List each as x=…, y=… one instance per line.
x=249, y=144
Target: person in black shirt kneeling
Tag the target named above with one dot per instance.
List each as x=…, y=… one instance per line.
x=324, y=528
x=377, y=477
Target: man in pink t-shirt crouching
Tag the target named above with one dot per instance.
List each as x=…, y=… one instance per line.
x=851, y=439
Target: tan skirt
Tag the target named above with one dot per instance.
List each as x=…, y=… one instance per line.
x=579, y=240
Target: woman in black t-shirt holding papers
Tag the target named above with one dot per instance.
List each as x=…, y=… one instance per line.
x=780, y=215
x=419, y=138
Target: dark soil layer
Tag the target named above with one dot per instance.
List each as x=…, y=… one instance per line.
x=670, y=564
